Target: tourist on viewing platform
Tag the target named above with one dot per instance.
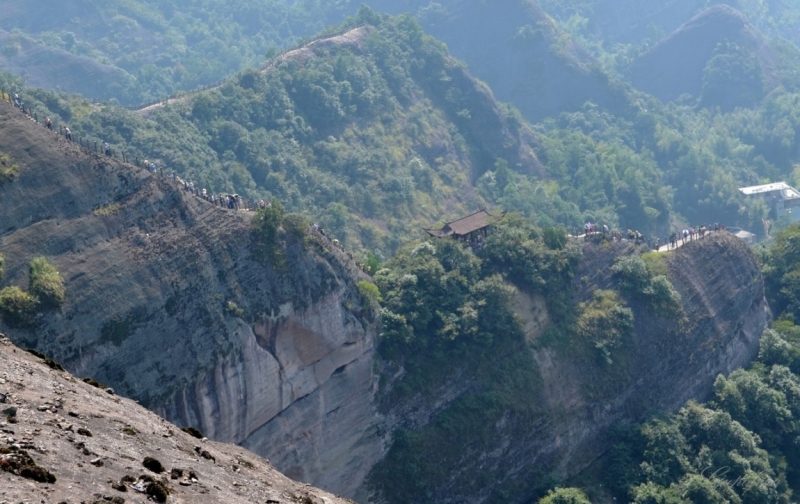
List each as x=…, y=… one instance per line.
x=106, y=149
x=48, y=123
x=68, y=134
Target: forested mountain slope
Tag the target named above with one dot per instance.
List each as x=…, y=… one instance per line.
x=381, y=133
x=55, y=68
x=520, y=52
x=718, y=57
x=377, y=134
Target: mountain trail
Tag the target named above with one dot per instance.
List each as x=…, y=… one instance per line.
x=354, y=36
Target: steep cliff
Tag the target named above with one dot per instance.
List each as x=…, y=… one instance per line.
x=562, y=422
x=166, y=303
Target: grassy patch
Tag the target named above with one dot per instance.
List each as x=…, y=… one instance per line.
x=8, y=170
x=17, y=307
x=105, y=211
x=370, y=294
x=232, y=308
x=46, y=283
x=656, y=263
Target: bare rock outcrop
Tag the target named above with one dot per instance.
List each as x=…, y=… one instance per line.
x=81, y=443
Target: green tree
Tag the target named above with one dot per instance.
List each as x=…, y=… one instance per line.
x=17, y=307
x=565, y=496
x=732, y=77
x=782, y=273
x=46, y=283
x=266, y=224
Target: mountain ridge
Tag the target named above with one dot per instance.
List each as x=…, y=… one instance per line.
x=667, y=77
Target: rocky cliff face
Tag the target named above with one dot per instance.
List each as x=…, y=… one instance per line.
x=668, y=361
x=298, y=390
x=150, y=272
x=671, y=362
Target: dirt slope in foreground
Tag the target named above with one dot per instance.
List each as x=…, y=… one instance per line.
x=90, y=440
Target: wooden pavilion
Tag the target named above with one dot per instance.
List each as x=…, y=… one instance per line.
x=466, y=228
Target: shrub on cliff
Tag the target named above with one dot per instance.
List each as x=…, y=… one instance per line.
x=663, y=295
x=46, y=283
x=565, y=496
x=605, y=323
x=632, y=273
x=646, y=277
x=266, y=224
x=296, y=225
x=370, y=294
x=17, y=307
x=8, y=170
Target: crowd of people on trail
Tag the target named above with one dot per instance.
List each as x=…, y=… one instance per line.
x=690, y=234
x=674, y=240
x=228, y=201
x=592, y=229
x=319, y=230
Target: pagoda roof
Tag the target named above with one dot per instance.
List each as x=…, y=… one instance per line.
x=465, y=225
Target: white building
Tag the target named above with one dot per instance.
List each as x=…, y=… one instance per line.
x=780, y=196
